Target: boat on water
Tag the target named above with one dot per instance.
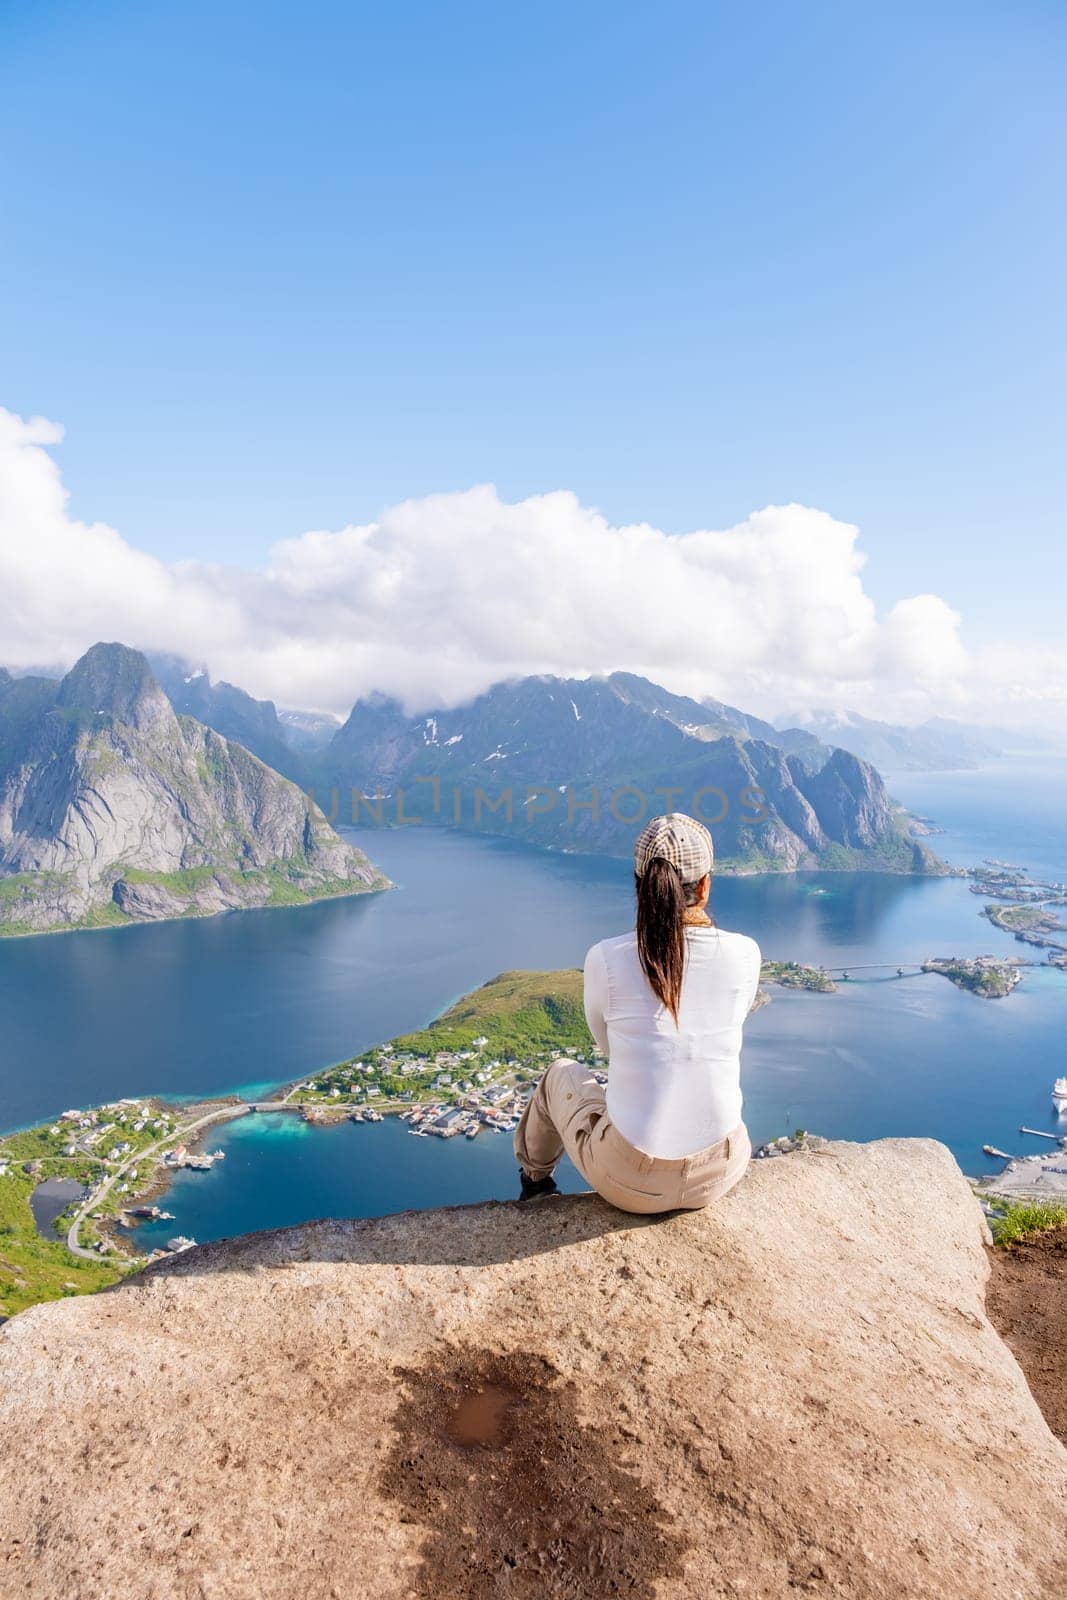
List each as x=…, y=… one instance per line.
x=1059, y=1094
x=180, y=1242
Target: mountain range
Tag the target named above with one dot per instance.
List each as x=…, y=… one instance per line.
x=236, y=715
x=526, y=757
x=115, y=808
x=937, y=745
x=128, y=792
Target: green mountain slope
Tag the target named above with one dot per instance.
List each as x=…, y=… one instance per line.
x=515, y=1012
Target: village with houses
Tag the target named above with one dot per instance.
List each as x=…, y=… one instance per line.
x=439, y=1093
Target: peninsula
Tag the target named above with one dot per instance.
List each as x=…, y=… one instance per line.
x=1035, y=923
x=467, y=1074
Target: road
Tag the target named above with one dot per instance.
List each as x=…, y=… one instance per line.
x=223, y=1114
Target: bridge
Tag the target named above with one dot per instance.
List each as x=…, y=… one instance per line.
x=898, y=967
x=894, y=969
x=904, y=969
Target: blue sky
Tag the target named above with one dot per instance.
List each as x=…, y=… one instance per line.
x=276, y=267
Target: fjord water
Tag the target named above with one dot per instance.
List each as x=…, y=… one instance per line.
x=256, y=998
x=261, y=997
x=1011, y=810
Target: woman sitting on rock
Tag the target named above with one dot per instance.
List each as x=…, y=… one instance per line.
x=666, y=1004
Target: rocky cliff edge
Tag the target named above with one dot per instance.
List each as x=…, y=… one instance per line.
x=796, y=1392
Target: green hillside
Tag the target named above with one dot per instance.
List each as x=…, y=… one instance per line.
x=517, y=1012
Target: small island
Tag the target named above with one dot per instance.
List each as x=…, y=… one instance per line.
x=986, y=976
x=1034, y=923
x=795, y=975
x=1005, y=880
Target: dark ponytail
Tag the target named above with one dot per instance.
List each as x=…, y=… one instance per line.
x=661, y=903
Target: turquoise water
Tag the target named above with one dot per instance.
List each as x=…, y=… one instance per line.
x=279, y=1170
x=262, y=997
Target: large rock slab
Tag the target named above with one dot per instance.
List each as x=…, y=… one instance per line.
x=796, y=1392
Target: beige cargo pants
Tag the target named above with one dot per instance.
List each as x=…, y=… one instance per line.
x=568, y=1113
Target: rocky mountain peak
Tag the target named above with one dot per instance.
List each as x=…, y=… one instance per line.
x=115, y=681
x=113, y=807
x=230, y=711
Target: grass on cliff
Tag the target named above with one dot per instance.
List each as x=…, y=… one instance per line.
x=518, y=1012
x=19, y=887
x=14, y=884
x=184, y=880
x=1022, y=1220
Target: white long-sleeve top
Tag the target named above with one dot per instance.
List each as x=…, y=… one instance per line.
x=673, y=1090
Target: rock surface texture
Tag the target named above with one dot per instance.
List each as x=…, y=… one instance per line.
x=796, y=1392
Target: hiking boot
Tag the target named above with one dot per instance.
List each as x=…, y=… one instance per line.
x=534, y=1188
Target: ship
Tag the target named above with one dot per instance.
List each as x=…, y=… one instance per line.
x=180, y=1242
x=1059, y=1094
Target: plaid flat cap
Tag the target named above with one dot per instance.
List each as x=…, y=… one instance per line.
x=681, y=840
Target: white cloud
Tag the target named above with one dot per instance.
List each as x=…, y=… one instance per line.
x=442, y=596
